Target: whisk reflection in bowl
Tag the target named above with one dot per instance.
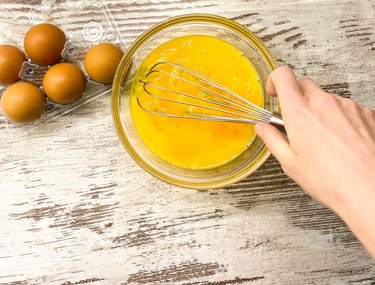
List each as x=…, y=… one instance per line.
x=207, y=99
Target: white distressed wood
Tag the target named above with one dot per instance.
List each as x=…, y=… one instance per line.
x=75, y=209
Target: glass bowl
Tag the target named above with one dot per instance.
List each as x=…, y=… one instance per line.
x=204, y=24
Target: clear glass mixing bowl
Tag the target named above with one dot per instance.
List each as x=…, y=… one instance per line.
x=203, y=24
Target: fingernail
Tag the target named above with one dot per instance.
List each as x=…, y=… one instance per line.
x=258, y=129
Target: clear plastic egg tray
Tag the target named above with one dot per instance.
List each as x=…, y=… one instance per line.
x=85, y=23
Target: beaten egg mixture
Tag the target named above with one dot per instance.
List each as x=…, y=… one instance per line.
x=188, y=143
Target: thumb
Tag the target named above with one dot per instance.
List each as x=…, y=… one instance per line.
x=277, y=144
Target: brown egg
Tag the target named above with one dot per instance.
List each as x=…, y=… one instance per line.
x=44, y=43
x=11, y=60
x=101, y=62
x=22, y=102
x=64, y=83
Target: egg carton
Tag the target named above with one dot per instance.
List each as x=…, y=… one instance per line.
x=85, y=24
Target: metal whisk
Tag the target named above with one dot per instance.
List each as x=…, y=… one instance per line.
x=207, y=100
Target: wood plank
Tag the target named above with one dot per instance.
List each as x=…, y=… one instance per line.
x=75, y=208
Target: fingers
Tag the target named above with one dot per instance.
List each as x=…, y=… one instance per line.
x=283, y=82
x=277, y=144
x=308, y=86
x=270, y=88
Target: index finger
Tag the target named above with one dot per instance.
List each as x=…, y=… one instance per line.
x=283, y=83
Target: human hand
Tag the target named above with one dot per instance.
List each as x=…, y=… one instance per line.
x=329, y=149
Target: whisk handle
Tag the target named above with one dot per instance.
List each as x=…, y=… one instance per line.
x=277, y=121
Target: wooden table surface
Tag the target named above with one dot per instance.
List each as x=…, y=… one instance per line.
x=76, y=209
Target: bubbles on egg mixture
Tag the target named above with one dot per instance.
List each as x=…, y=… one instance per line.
x=203, y=94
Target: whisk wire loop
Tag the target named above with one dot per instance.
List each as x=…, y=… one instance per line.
x=223, y=104
x=210, y=82
x=248, y=114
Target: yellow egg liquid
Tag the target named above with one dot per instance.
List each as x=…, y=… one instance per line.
x=190, y=143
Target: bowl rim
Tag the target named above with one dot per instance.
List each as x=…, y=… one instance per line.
x=123, y=70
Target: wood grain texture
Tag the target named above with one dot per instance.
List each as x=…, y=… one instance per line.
x=75, y=209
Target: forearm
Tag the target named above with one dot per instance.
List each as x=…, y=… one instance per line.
x=358, y=212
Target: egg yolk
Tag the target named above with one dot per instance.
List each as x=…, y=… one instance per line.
x=194, y=144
